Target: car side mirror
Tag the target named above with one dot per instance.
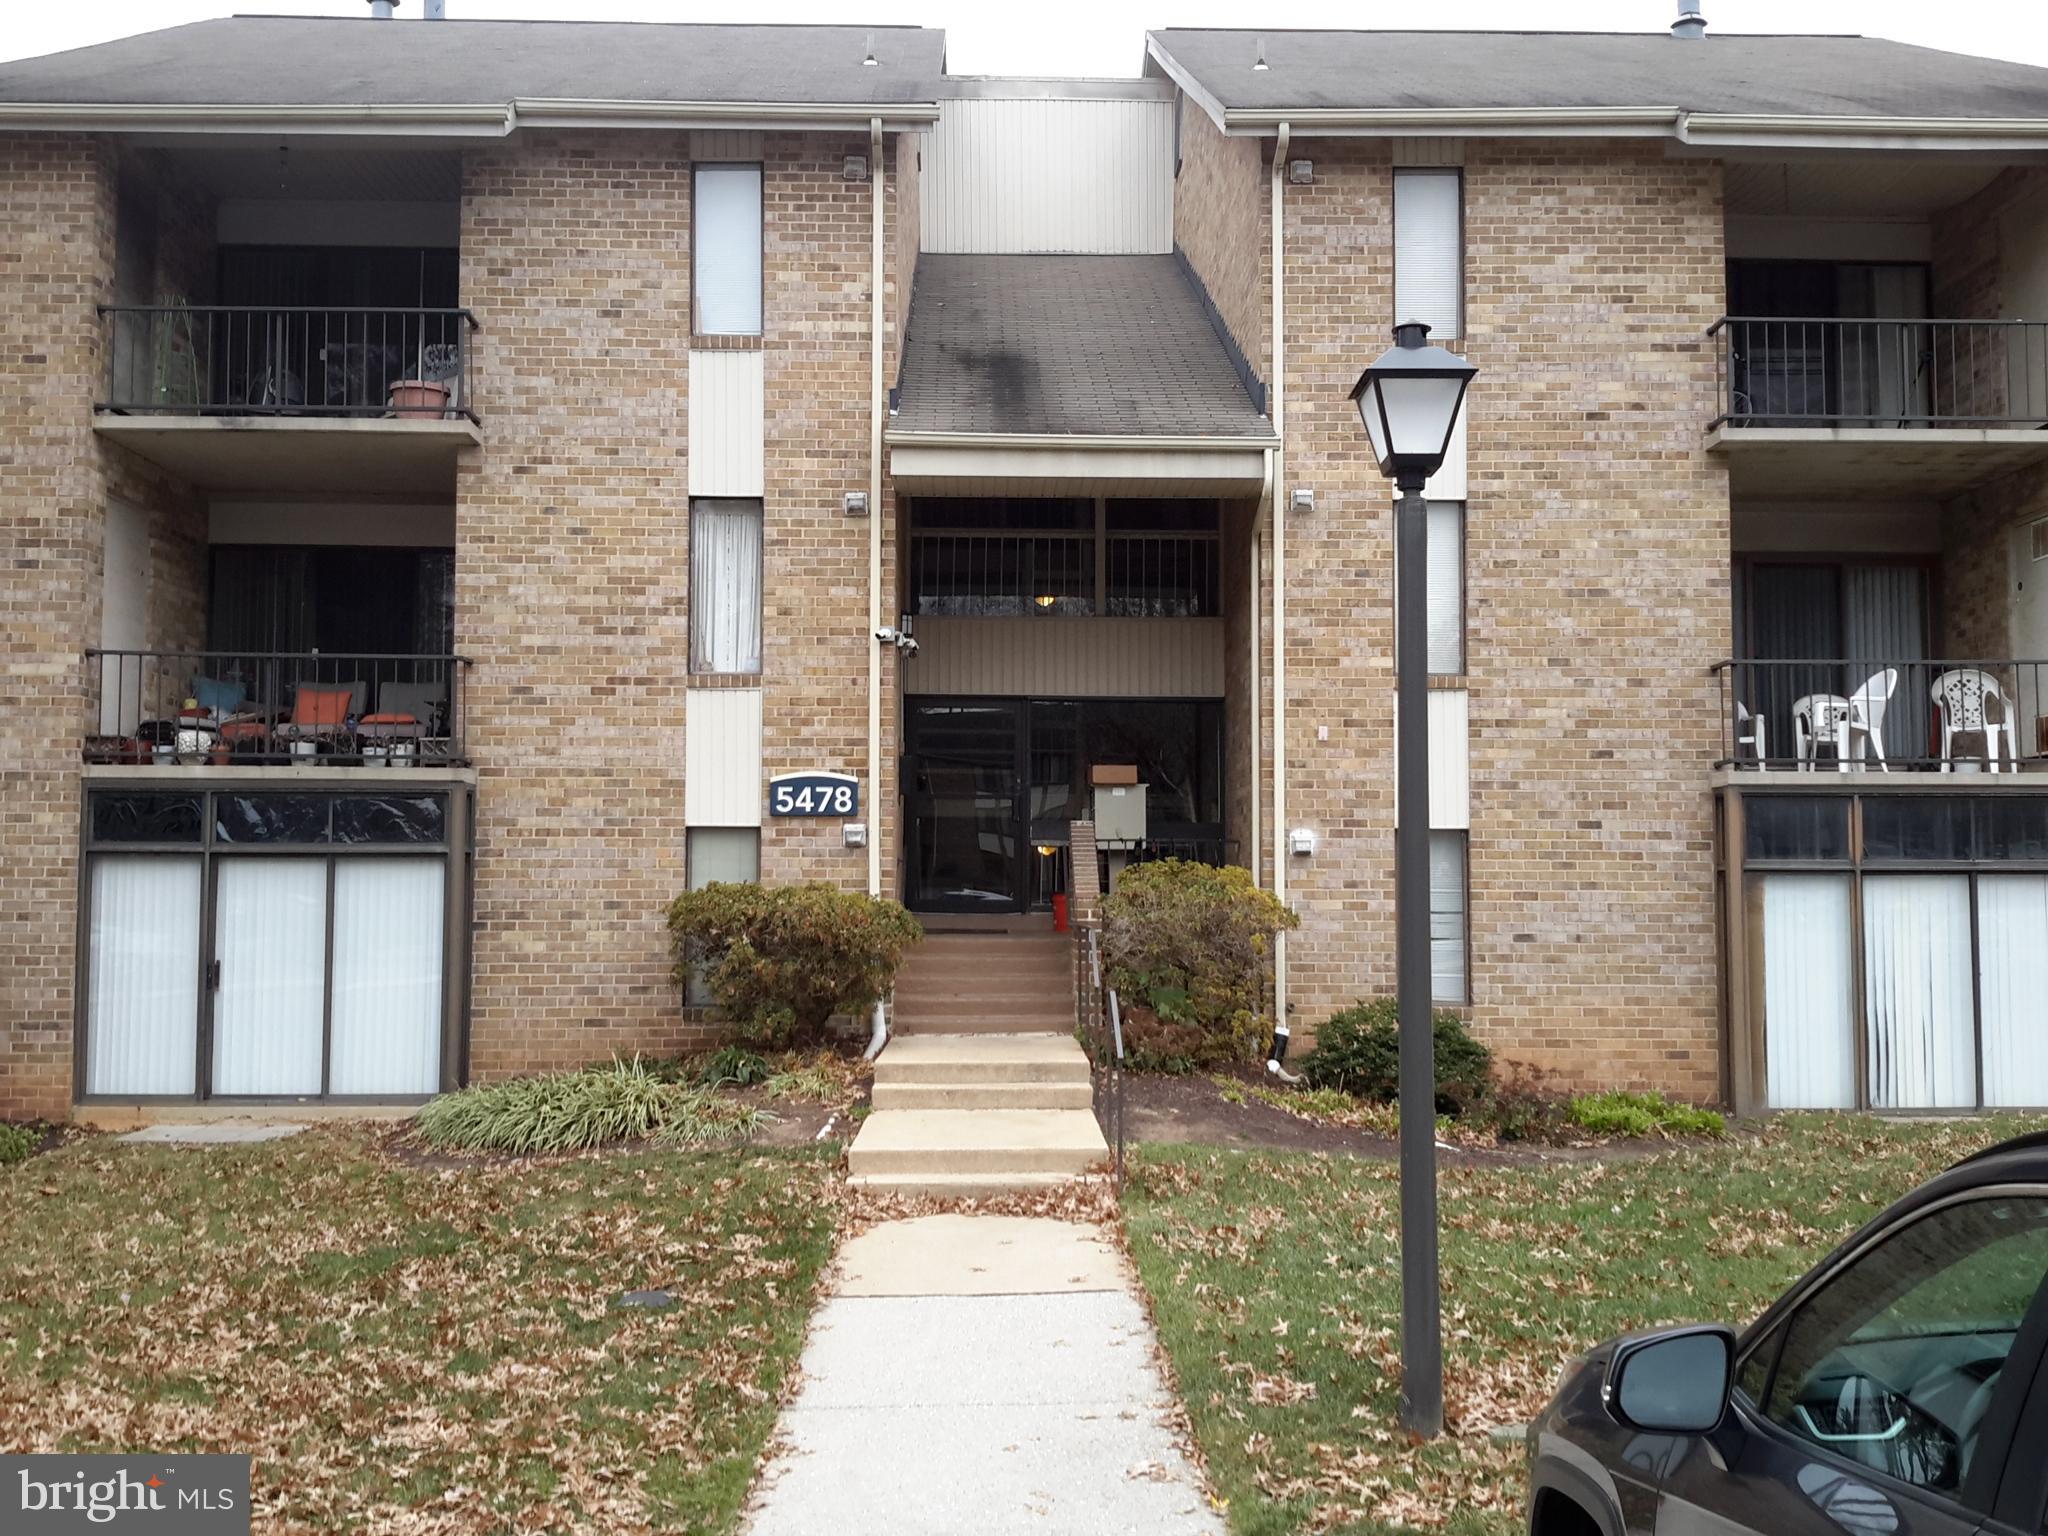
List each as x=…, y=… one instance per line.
x=1675, y=1381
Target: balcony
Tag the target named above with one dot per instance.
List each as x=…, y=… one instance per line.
x=1826, y=409
x=245, y=709
x=292, y=398
x=1896, y=717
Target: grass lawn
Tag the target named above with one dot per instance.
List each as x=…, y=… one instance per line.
x=412, y=1348
x=1276, y=1281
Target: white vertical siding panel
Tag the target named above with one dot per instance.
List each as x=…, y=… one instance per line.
x=1069, y=658
x=728, y=406
x=1049, y=176
x=1450, y=759
x=722, y=757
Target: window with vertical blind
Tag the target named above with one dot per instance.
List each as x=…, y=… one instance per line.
x=1429, y=255
x=720, y=856
x=1447, y=925
x=725, y=586
x=725, y=250
x=1447, y=587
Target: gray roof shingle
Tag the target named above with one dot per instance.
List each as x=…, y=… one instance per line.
x=345, y=61
x=1801, y=76
x=1090, y=345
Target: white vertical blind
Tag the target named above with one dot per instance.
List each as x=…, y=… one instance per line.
x=1920, y=1030
x=725, y=586
x=142, y=982
x=726, y=250
x=1428, y=250
x=387, y=975
x=1446, y=577
x=1809, y=1040
x=270, y=937
x=1447, y=917
x=2012, y=958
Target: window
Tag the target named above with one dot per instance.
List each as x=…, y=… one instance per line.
x=725, y=275
x=725, y=586
x=1446, y=587
x=1447, y=927
x=1429, y=258
x=720, y=856
x=1892, y=1364
x=1812, y=828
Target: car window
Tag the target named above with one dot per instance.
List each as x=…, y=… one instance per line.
x=1754, y=1373
x=1893, y=1362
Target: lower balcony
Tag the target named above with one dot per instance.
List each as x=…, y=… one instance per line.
x=1878, y=715
x=239, y=709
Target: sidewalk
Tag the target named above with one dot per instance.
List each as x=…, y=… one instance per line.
x=980, y=1373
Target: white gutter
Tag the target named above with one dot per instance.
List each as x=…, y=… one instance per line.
x=471, y=119
x=1257, y=841
x=878, y=406
x=1277, y=458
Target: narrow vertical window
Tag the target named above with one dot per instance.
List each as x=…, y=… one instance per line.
x=1447, y=927
x=1446, y=587
x=725, y=856
x=1429, y=250
x=726, y=250
x=725, y=586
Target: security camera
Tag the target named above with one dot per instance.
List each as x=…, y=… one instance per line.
x=889, y=636
x=907, y=646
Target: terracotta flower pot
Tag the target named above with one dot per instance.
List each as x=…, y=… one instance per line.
x=419, y=399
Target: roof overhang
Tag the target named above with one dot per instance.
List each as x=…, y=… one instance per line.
x=487, y=120
x=1701, y=129
x=1053, y=464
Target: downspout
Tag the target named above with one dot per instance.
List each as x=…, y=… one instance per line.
x=877, y=411
x=1277, y=501
x=1257, y=841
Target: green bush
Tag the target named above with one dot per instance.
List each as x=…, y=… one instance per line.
x=1193, y=943
x=16, y=1143
x=782, y=960
x=571, y=1111
x=1359, y=1052
x=733, y=1066
x=1642, y=1114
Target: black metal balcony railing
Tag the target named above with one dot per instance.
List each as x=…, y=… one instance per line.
x=202, y=360
x=1881, y=373
x=248, y=709
x=1879, y=715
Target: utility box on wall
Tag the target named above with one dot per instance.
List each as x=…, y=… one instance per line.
x=1119, y=815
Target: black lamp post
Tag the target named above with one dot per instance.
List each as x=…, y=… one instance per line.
x=1409, y=401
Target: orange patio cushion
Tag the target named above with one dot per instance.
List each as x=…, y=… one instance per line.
x=321, y=706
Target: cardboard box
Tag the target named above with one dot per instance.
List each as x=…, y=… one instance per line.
x=1113, y=773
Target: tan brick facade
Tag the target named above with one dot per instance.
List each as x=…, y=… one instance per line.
x=1221, y=224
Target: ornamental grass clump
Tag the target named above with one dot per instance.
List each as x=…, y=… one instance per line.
x=1642, y=1114
x=574, y=1111
x=16, y=1143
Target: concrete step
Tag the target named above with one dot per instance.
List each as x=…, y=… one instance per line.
x=960, y=1186
x=1005, y=1058
x=986, y=968
x=999, y=1095
x=1008, y=1019
x=977, y=1141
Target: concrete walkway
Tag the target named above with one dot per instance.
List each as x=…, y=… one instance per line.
x=980, y=1373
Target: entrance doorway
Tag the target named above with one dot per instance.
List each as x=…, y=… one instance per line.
x=991, y=787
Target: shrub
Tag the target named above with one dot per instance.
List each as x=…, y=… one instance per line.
x=1359, y=1052
x=733, y=1066
x=1643, y=1114
x=781, y=960
x=1523, y=1105
x=1171, y=1047
x=571, y=1111
x=1192, y=943
x=16, y=1143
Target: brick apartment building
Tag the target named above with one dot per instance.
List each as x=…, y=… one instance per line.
x=466, y=481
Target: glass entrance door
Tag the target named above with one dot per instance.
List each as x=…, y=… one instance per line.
x=964, y=796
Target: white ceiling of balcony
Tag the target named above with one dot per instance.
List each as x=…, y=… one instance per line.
x=1880, y=187
x=321, y=170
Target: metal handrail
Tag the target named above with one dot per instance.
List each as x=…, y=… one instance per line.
x=1100, y=1016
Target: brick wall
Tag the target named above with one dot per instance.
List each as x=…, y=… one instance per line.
x=1220, y=222
x=1597, y=572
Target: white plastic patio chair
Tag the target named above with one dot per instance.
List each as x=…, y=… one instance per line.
x=1973, y=704
x=1863, y=730
x=1818, y=718
x=1749, y=732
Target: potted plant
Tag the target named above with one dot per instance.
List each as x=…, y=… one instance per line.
x=419, y=399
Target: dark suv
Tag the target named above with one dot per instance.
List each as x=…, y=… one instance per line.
x=1898, y=1390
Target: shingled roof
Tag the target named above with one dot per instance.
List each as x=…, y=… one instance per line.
x=1086, y=345
x=1799, y=76
x=361, y=61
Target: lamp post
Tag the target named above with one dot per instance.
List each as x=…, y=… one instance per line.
x=1409, y=401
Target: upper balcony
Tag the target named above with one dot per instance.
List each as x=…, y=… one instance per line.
x=1835, y=408
x=312, y=398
